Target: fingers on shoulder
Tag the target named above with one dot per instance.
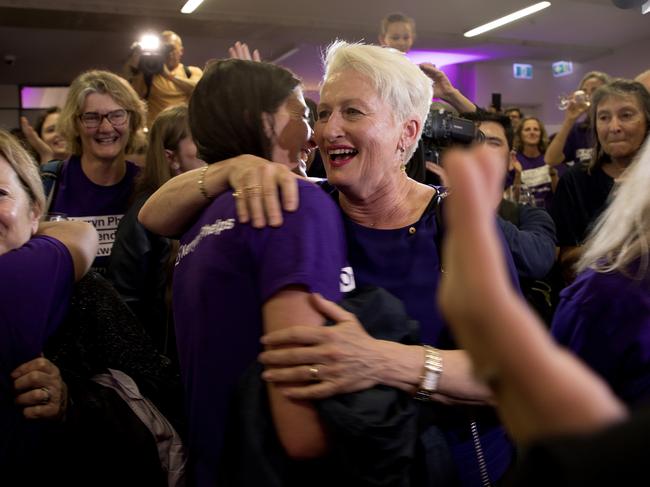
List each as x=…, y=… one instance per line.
x=38, y=364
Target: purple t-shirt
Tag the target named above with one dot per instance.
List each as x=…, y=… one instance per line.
x=605, y=319
x=34, y=295
x=103, y=206
x=536, y=175
x=35, y=291
x=578, y=148
x=225, y=272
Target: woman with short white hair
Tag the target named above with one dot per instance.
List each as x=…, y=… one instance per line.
x=371, y=113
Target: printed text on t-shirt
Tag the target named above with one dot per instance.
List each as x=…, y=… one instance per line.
x=213, y=229
x=106, y=226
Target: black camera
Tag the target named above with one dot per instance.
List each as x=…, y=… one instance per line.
x=152, y=59
x=443, y=129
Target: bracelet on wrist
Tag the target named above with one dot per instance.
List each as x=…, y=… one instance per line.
x=201, y=182
x=431, y=372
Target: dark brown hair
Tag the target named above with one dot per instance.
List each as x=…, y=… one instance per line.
x=38, y=126
x=227, y=107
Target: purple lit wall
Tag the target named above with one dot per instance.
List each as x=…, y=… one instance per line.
x=42, y=96
x=442, y=58
x=458, y=66
x=463, y=77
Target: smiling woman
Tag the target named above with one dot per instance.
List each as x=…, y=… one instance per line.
x=530, y=143
x=372, y=109
x=39, y=263
x=99, y=120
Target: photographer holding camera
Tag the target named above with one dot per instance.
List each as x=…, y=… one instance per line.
x=158, y=75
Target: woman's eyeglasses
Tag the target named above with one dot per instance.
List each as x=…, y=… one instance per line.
x=92, y=120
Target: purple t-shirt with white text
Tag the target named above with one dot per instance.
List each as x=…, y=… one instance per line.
x=225, y=272
x=604, y=317
x=537, y=176
x=104, y=206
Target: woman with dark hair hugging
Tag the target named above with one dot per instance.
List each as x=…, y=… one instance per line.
x=372, y=108
x=232, y=282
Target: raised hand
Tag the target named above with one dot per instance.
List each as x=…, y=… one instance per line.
x=240, y=51
x=44, y=151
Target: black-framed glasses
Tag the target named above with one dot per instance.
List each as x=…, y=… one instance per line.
x=92, y=120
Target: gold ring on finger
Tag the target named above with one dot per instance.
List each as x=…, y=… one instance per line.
x=47, y=397
x=314, y=373
x=253, y=190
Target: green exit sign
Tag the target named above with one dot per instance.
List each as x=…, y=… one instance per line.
x=522, y=71
x=562, y=68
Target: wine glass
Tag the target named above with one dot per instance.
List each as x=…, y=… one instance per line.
x=579, y=97
x=526, y=196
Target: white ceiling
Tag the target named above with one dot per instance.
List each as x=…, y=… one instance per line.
x=53, y=40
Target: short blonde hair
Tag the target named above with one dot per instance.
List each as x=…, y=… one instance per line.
x=171, y=37
x=102, y=82
x=25, y=168
x=604, y=78
x=397, y=80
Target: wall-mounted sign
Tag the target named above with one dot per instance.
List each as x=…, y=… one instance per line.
x=562, y=68
x=522, y=71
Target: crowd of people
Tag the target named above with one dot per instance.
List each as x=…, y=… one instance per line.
x=211, y=313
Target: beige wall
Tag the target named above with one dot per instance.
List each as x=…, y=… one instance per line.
x=540, y=94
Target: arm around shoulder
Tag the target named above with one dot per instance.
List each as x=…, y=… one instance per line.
x=264, y=189
x=80, y=238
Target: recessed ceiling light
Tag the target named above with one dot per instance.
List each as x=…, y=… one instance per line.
x=191, y=6
x=507, y=19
